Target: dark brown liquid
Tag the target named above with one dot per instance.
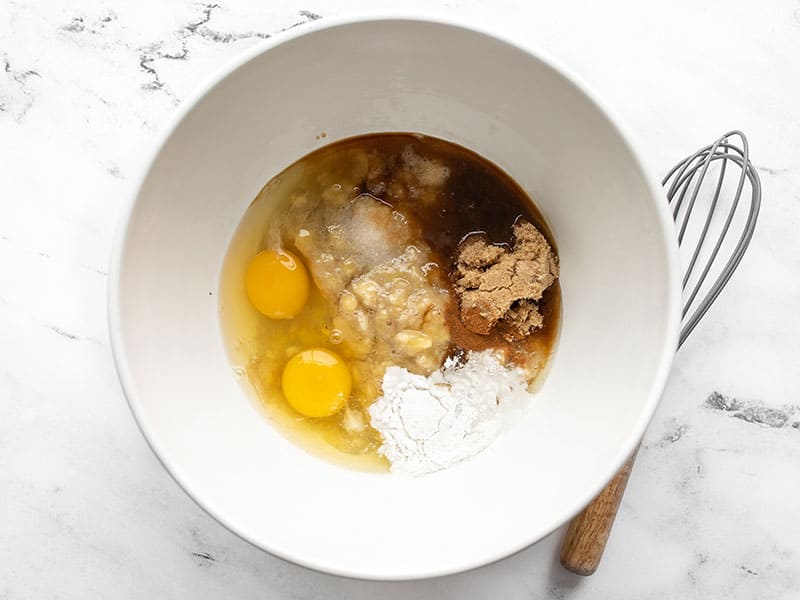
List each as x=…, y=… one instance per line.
x=478, y=197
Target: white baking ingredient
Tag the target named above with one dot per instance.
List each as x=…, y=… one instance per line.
x=430, y=423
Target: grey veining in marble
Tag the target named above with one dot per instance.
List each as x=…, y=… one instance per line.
x=85, y=508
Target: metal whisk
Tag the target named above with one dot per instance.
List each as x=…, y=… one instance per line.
x=706, y=230
x=685, y=180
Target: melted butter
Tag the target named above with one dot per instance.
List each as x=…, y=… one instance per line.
x=259, y=347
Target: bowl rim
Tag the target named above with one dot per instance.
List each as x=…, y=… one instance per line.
x=670, y=342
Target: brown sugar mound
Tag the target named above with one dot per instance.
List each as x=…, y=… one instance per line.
x=499, y=288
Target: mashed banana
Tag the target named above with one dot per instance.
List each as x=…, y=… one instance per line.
x=369, y=261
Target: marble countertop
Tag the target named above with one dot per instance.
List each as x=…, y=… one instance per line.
x=86, y=511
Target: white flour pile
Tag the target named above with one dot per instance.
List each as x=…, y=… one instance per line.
x=429, y=423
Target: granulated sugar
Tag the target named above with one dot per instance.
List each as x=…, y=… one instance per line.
x=430, y=423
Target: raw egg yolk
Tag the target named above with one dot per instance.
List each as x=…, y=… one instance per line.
x=316, y=382
x=277, y=283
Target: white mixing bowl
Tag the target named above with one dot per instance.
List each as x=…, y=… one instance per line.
x=506, y=102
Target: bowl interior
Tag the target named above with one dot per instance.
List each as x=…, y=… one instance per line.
x=344, y=79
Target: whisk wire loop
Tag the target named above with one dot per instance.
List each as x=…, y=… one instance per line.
x=684, y=182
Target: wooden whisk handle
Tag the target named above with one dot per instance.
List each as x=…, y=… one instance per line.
x=588, y=533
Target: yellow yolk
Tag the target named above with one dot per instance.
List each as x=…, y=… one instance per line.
x=277, y=283
x=316, y=382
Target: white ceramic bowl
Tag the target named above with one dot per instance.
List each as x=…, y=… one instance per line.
x=508, y=103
